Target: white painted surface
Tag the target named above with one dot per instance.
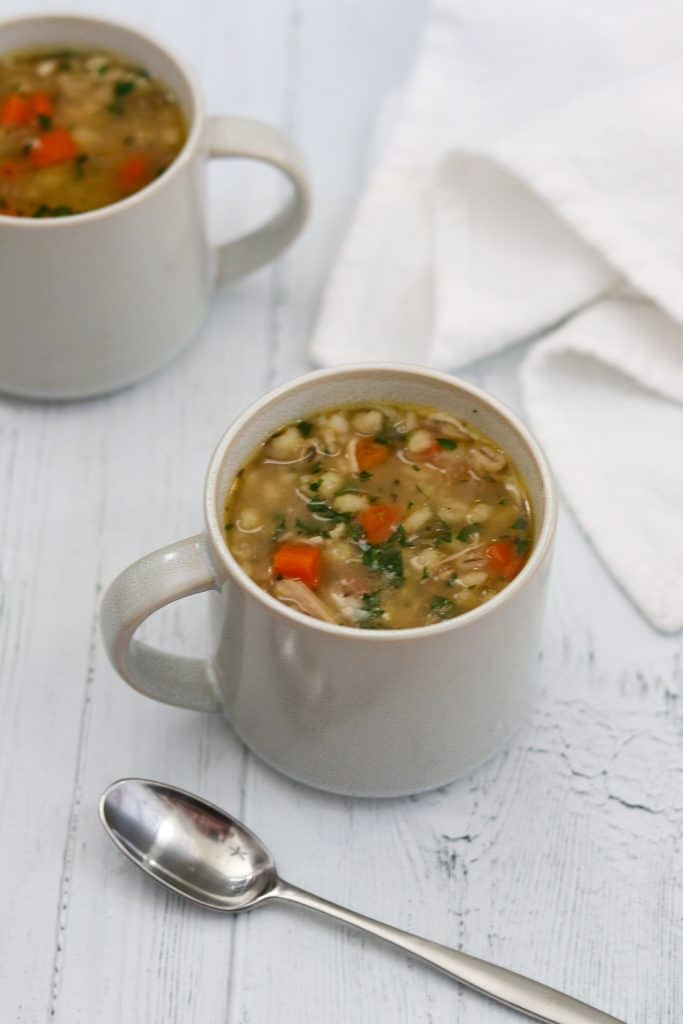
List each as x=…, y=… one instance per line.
x=561, y=858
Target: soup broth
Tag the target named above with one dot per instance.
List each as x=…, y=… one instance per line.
x=80, y=130
x=382, y=517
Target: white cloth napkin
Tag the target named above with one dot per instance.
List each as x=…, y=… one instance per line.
x=534, y=184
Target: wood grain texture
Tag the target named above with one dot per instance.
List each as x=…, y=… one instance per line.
x=560, y=858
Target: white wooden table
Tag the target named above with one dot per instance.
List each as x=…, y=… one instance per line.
x=561, y=858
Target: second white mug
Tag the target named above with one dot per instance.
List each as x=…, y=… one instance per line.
x=97, y=300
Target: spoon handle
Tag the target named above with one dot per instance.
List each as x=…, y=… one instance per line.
x=529, y=997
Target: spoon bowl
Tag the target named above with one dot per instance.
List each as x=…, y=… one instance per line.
x=188, y=844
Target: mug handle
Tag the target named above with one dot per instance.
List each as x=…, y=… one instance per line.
x=176, y=571
x=240, y=137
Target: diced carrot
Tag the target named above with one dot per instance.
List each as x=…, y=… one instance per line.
x=504, y=559
x=298, y=562
x=10, y=170
x=55, y=147
x=7, y=211
x=16, y=110
x=133, y=173
x=41, y=105
x=379, y=522
x=370, y=454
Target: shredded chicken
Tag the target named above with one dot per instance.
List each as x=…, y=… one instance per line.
x=487, y=460
x=448, y=426
x=297, y=593
x=351, y=454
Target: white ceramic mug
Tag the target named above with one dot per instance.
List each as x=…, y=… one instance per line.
x=98, y=300
x=360, y=712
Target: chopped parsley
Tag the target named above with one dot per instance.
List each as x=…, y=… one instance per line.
x=124, y=87
x=387, y=435
x=44, y=122
x=324, y=511
x=79, y=165
x=401, y=536
x=442, y=533
x=365, y=474
x=372, y=611
x=520, y=524
x=52, y=211
x=305, y=428
x=385, y=559
x=309, y=529
x=467, y=531
x=355, y=531
x=279, y=526
x=442, y=607
x=446, y=443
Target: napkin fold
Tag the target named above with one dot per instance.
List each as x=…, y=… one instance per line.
x=533, y=185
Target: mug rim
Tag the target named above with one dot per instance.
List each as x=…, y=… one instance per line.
x=220, y=550
x=181, y=159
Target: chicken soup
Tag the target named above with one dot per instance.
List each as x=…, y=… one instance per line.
x=381, y=516
x=80, y=130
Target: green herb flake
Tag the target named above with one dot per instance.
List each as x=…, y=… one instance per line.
x=44, y=122
x=355, y=531
x=324, y=511
x=467, y=531
x=442, y=533
x=521, y=546
x=309, y=529
x=365, y=474
x=372, y=612
x=315, y=485
x=102, y=69
x=279, y=526
x=79, y=166
x=401, y=536
x=446, y=443
x=305, y=428
x=124, y=87
x=520, y=524
x=385, y=559
x=442, y=607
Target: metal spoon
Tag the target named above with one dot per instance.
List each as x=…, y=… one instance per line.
x=209, y=857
